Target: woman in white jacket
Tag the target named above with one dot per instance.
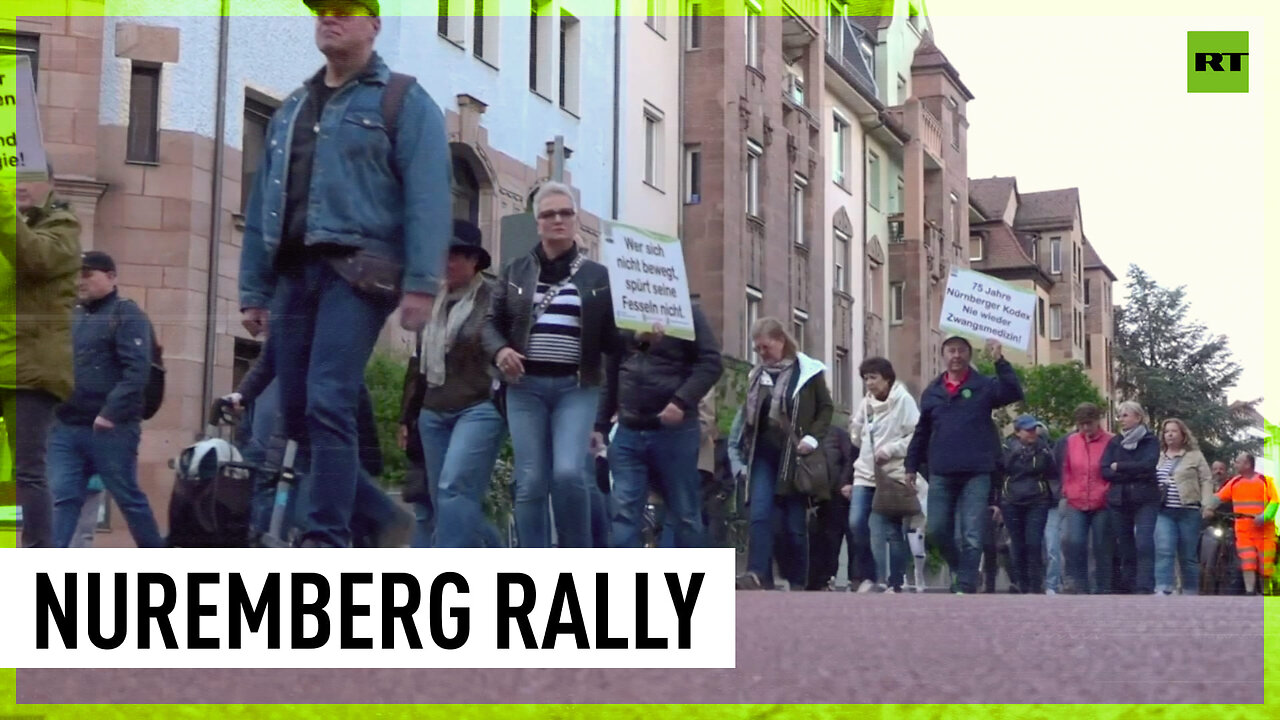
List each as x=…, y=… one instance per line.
x=882, y=428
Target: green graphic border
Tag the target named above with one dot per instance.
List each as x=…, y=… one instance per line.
x=636, y=8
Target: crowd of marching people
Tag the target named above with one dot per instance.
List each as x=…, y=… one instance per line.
x=349, y=220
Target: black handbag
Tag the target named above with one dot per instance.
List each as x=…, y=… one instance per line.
x=812, y=476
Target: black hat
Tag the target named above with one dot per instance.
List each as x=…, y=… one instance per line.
x=370, y=5
x=97, y=260
x=466, y=237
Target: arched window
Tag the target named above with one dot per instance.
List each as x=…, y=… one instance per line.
x=466, y=192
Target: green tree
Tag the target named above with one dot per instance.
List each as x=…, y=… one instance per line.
x=1175, y=367
x=1050, y=392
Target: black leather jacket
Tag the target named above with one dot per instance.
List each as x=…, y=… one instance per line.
x=642, y=379
x=510, y=314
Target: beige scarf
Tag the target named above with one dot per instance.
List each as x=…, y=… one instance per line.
x=442, y=331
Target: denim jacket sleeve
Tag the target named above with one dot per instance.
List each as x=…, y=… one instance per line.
x=422, y=154
x=133, y=352
x=257, y=272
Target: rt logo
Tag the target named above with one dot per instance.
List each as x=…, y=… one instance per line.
x=1217, y=62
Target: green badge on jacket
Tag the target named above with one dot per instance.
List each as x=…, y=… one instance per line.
x=966, y=393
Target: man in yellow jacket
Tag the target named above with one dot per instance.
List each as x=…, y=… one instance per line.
x=39, y=265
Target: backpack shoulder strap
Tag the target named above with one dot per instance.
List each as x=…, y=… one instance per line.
x=392, y=98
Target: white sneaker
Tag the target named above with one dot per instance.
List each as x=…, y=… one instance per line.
x=1050, y=592
x=866, y=586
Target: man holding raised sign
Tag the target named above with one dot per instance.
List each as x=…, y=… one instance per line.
x=668, y=362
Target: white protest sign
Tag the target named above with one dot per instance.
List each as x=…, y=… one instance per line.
x=22, y=142
x=647, y=280
x=985, y=307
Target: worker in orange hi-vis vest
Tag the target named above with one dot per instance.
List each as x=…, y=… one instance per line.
x=1252, y=493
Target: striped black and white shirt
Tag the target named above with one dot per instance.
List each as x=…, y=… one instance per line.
x=1164, y=475
x=555, y=340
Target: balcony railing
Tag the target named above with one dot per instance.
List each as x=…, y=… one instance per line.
x=930, y=133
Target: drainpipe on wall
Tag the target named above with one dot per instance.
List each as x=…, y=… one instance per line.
x=680, y=95
x=215, y=224
x=617, y=97
x=866, y=226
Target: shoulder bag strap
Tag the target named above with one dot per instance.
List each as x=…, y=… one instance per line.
x=555, y=290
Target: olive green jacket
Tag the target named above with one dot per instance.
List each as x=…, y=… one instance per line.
x=38, y=274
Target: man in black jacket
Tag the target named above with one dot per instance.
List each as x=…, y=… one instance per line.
x=831, y=522
x=654, y=386
x=958, y=440
x=99, y=428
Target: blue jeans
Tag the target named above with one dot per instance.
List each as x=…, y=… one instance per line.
x=266, y=421
x=551, y=419
x=325, y=332
x=889, y=548
x=424, y=529
x=665, y=460
x=1135, y=527
x=958, y=504
x=862, y=561
x=1026, y=525
x=1053, y=549
x=1178, y=538
x=772, y=516
x=600, y=513
x=1075, y=549
x=460, y=450
x=77, y=452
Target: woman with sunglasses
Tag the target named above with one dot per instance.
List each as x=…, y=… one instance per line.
x=550, y=322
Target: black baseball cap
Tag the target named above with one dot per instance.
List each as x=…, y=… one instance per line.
x=370, y=5
x=97, y=260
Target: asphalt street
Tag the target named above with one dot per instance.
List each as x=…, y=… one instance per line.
x=828, y=647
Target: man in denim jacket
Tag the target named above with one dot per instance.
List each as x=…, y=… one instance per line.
x=334, y=187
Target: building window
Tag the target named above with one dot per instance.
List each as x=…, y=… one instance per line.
x=144, y=114
x=839, y=149
x=570, y=54
x=975, y=248
x=449, y=24
x=794, y=88
x=902, y=90
x=955, y=122
x=24, y=45
x=1079, y=338
x=754, y=151
x=897, y=299
x=1035, y=250
x=835, y=28
x=653, y=146
x=799, y=189
x=692, y=174
x=1088, y=292
x=753, y=34
x=953, y=218
x=484, y=35
x=842, y=262
x=755, y=299
x=693, y=30
x=1055, y=322
x=1055, y=256
x=898, y=202
x=873, y=180
x=539, y=47
x=466, y=192
x=257, y=116
x=842, y=389
x=1040, y=316
x=799, y=320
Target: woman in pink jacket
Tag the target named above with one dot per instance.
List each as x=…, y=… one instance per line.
x=1080, y=457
